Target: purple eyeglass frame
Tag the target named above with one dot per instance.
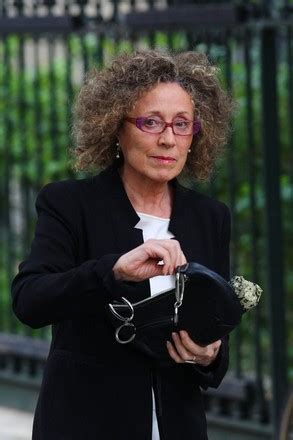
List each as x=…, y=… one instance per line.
x=139, y=121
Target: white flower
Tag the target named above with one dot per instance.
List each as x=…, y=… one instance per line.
x=248, y=293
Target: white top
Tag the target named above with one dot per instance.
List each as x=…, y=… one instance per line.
x=156, y=227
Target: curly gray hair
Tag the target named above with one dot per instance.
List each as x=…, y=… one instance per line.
x=108, y=95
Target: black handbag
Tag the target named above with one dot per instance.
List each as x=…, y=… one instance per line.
x=202, y=303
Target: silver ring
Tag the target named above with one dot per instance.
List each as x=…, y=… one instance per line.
x=192, y=361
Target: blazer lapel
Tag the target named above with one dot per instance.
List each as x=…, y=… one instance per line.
x=179, y=222
x=122, y=213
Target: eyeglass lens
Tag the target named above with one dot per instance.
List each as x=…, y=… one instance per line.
x=157, y=125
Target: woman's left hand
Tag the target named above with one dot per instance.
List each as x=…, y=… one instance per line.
x=183, y=349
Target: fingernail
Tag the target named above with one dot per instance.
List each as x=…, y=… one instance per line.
x=183, y=333
x=168, y=343
x=174, y=335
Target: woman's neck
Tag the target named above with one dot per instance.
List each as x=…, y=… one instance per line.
x=149, y=197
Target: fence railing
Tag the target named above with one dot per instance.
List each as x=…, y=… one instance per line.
x=42, y=64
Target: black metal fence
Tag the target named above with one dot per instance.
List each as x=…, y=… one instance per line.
x=45, y=49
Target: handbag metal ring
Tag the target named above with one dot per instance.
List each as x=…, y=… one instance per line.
x=126, y=341
x=120, y=317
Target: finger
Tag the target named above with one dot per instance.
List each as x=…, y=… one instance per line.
x=182, y=259
x=189, y=344
x=179, y=257
x=174, y=255
x=216, y=345
x=161, y=250
x=174, y=250
x=205, y=355
x=210, y=351
x=193, y=346
x=185, y=354
x=172, y=352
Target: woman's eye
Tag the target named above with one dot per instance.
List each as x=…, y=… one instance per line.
x=151, y=122
x=181, y=123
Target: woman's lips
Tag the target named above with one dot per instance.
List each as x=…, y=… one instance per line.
x=164, y=159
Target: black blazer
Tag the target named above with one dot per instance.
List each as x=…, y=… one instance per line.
x=94, y=388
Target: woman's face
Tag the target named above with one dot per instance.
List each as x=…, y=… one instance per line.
x=156, y=157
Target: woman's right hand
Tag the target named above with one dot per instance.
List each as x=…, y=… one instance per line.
x=154, y=257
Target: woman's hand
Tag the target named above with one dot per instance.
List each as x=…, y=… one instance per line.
x=144, y=262
x=184, y=349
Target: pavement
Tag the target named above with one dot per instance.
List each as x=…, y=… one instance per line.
x=15, y=424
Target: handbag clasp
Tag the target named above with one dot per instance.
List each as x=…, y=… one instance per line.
x=179, y=293
x=126, y=322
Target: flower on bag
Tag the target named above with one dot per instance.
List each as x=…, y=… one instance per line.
x=248, y=293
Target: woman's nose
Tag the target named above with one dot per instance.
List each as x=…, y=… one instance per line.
x=167, y=138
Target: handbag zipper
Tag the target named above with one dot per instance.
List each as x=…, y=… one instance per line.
x=156, y=323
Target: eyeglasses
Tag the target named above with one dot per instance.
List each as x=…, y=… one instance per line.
x=156, y=125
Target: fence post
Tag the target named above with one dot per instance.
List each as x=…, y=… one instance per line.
x=271, y=151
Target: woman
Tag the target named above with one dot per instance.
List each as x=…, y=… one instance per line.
x=148, y=118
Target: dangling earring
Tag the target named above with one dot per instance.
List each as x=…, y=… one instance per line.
x=189, y=151
x=118, y=150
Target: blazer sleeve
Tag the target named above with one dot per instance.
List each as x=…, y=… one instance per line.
x=50, y=287
x=212, y=375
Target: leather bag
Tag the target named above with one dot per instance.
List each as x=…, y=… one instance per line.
x=202, y=303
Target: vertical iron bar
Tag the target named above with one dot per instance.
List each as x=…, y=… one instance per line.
x=100, y=50
x=152, y=39
x=24, y=209
x=68, y=78
x=69, y=87
x=22, y=127
x=7, y=158
x=3, y=8
x=22, y=139
x=212, y=182
x=39, y=123
x=290, y=147
x=170, y=40
x=254, y=230
x=84, y=52
x=115, y=10
x=39, y=126
x=53, y=103
x=290, y=97
x=2, y=187
x=271, y=150
x=232, y=201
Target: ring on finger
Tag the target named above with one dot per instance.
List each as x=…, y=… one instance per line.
x=192, y=361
